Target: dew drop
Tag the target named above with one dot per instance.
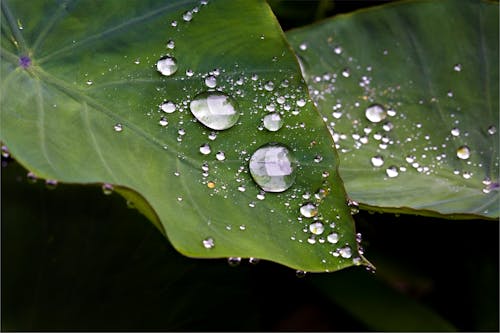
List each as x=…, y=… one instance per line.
x=300, y=274
x=375, y=113
x=118, y=127
x=166, y=65
x=253, y=261
x=107, y=189
x=273, y=122
x=377, y=161
x=309, y=210
x=215, y=110
x=392, y=171
x=187, y=16
x=457, y=67
x=163, y=121
x=492, y=130
x=168, y=107
x=208, y=243
x=50, y=184
x=455, y=131
x=303, y=46
x=269, y=86
x=211, y=81
x=333, y=238
x=205, y=149
x=272, y=167
x=346, y=72
x=5, y=152
x=463, y=152
x=316, y=228
x=171, y=44
x=233, y=261
x=345, y=252
x=31, y=177
x=337, y=50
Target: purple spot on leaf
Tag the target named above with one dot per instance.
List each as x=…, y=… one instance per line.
x=24, y=61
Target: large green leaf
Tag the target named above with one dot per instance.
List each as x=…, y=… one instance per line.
x=433, y=67
x=80, y=102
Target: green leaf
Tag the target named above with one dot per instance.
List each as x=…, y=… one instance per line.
x=80, y=101
x=435, y=65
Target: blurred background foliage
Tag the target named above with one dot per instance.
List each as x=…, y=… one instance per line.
x=75, y=259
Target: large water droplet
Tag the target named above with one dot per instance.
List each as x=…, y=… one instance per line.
x=215, y=110
x=375, y=113
x=463, y=152
x=309, y=210
x=272, y=167
x=166, y=65
x=273, y=122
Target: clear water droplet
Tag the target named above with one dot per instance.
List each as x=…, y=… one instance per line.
x=303, y=46
x=492, y=130
x=208, y=243
x=205, y=149
x=171, y=44
x=187, y=16
x=189, y=72
x=309, y=210
x=377, y=161
x=272, y=167
x=375, y=113
x=463, y=152
x=269, y=86
x=455, y=131
x=253, y=261
x=300, y=274
x=301, y=102
x=346, y=72
x=163, y=121
x=317, y=228
x=51, y=184
x=167, y=65
x=31, y=177
x=337, y=50
x=318, y=158
x=215, y=110
x=333, y=238
x=220, y=156
x=212, y=136
x=457, y=67
x=392, y=171
x=345, y=252
x=234, y=261
x=107, y=189
x=211, y=81
x=5, y=152
x=273, y=122
x=168, y=107
x=118, y=127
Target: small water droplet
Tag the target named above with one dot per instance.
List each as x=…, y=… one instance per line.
x=234, y=261
x=215, y=110
x=309, y=210
x=346, y=72
x=457, y=67
x=333, y=238
x=392, y=171
x=166, y=65
x=316, y=228
x=187, y=16
x=253, y=261
x=337, y=50
x=31, y=177
x=168, y=107
x=208, y=243
x=211, y=81
x=89, y=82
x=492, y=130
x=5, y=152
x=463, y=152
x=273, y=122
x=375, y=113
x=301, y=102
x=118, y=127
x=300, y=274
x=171, y=44
x=163, y=121
x=205, y=149
x=107, y=189
x=269, y=86
x=318, y=158
x=220, y=156
x=377, y=161
x=303, y=46
x=345, y=252
x=50, y=184
x=272, y=167
x=455, y=131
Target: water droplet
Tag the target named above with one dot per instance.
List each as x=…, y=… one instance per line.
x=273, y=122
x=233, y=261
x=333, y=238
x=187, y=16
x=220, y=156
x=301, y=102
x=375, y=113
x=89, y=82
x=50, y=184
x=346, y=72
x=388, y=126
x=300, y=274
x=269, y=86
x=5, y=152
x=345, y=252
x=208, y=243
x=316, y=228
x=31, y=177
x=205, y=149
x=303, y=46
x=457, y=67
x=253, y=261
x=211, y=184
x=377, y=161
x=455, y=131
x=392, y=171
x=212, y=136
x=318, y=158
x=242, y=188
x=163, y=121
x=337, y=50
x=272, y=167
x=492, y=130
x=189, y=72
x=107, y=189
x=309, y=210
x=171, y=44
x=463, y=152
x=215, y=110
x=118, y=127
x=166, y=65
x=168, y=106
x=211, y=81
